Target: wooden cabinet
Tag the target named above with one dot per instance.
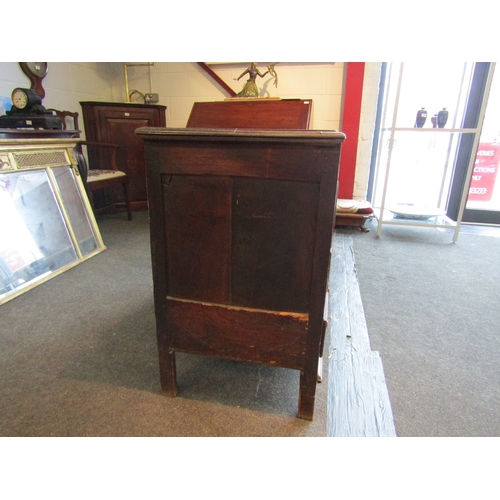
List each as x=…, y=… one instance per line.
x=241, y=229
x=116, y=123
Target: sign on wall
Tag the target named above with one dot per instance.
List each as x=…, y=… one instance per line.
x=485, y=172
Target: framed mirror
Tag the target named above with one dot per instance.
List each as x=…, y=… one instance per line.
x=46, y=223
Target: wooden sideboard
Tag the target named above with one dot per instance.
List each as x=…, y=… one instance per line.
x=241, y=229
x=116, y=123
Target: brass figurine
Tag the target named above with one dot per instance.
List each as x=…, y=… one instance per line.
x=250, y=88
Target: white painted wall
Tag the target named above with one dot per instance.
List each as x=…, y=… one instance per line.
x=66, y=84
x=180, y=84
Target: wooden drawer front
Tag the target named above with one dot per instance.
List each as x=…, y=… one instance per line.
x=237, y=333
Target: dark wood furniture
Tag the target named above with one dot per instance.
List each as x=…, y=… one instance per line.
x=105, y=173
x=353, y=213
x=241, y=228
x=115, y=123
x=353, y=220
x=69, y=119
x=281, y=114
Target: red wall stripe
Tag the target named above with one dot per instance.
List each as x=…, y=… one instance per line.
x=350, y=127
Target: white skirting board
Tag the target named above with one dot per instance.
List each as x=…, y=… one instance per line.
x=358, y=399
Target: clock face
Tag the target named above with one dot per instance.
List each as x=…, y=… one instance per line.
x=19, y=99
x=38, y=68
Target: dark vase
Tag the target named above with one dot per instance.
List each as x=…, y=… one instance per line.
x=421, y=118
x=442, y=118
x=434, y=121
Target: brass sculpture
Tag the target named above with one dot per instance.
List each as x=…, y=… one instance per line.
x=250, y=88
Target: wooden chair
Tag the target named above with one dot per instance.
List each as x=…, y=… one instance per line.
x=102, y=172
x=106, y=175
x=69, y=120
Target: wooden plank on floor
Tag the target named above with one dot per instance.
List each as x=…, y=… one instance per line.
x=345, y=302
x=358, y=400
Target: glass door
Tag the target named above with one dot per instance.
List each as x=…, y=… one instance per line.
x=483, y=201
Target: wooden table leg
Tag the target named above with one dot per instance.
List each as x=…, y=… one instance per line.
x=168, y=378
x=307, y=394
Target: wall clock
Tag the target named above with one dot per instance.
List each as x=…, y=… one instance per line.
x=36, y=72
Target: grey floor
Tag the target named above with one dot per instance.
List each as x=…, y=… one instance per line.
x=78, y=354
x=78, y=357
x=432, y=313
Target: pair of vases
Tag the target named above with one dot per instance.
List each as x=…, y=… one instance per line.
x=438, y=121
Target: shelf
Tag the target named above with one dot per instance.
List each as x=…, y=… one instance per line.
x=440, y=130
x=416, y=168
x=389, y=218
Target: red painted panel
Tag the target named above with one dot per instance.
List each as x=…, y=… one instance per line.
x=350, y=127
